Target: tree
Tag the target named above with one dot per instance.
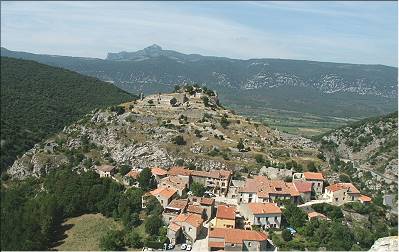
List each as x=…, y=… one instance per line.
x=312, y=167
x=133, y=240
x=240, y=145
x=146, y=180
x=295, y=216
x=152, y=224
x=286, y=235
x=344, y=178
x=153, y=206
x=173, y=101
x=205, y=100
x=224, y=122
x=124, y=169
x=112, y=241
x=179, y=140
x=198, y=189
x=259, y=158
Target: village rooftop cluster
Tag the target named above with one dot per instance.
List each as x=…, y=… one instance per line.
x=233, y=214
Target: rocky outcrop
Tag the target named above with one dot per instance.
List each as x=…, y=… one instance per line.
x=385, y=244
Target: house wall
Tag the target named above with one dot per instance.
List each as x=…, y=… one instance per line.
x=247, y=198
x=233, y=246
x=225, y=223
x=172, y=235
x=337, y=197
x=264, y=219
x=190, y=230
x=306, y=197
x=317, y=186
x=252, y=246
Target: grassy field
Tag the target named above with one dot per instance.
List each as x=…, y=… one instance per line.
x=84, y=232
x=297, y=123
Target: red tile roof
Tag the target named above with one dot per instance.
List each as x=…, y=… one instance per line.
x=190, y=218
x=105, y=168
x=164, y=192
x=343, y=186
x=365, y=198
x=180, y=204
x=179, y=170
x=217, y=174
x=237, y=236
x=212, y=244
x=175, y=182
x=313, y=175
x=158, y=171
x=203, y=200
x=263, y=187
x=303, y=187
x=133, y=174
x=195, y=209
x=315, y=215
x=264, y=208
x=174, y=226
x=225, y=212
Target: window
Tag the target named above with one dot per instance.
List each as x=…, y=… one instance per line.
x=318, y=184
x=336, y=199
x=249, y=244
x=275, y=218
x=189, y=229
x=258, y=219
x=233, y=245
x=267, y=218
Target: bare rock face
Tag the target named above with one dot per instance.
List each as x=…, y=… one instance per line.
x=385, y=244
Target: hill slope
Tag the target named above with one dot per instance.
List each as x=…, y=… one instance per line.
x=38, y=100
x=321, y=88
x=366, y=151
x=194, y=131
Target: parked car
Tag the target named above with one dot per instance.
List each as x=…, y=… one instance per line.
x=188, y=247
x=183, y=246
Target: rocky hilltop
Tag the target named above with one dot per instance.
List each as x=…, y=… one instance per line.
x=188, y=127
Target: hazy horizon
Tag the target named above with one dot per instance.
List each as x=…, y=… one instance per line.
x=341, y=32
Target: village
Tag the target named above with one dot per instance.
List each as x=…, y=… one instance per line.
x=233, y=214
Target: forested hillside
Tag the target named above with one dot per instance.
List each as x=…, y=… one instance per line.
x=38, y=100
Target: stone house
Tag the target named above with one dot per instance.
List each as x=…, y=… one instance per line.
x=105, y=171
x=237, y=240
x=216, y=181
x=158, y=173
x=225, y=217
x=235, y=185
x=316, y=215
x=173, y=209
x=163, y=195
x=261, y=189
x=176, y=182
x=207, y=203
x=185, y=228
x=181, y=172
x=316, y=178
x=341, y=193
x=131, y=178
x=265, y=215
x=305, y=190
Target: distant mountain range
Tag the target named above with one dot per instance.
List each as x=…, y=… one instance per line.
x=321, y=88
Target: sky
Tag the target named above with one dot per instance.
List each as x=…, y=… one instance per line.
x=350, y=32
